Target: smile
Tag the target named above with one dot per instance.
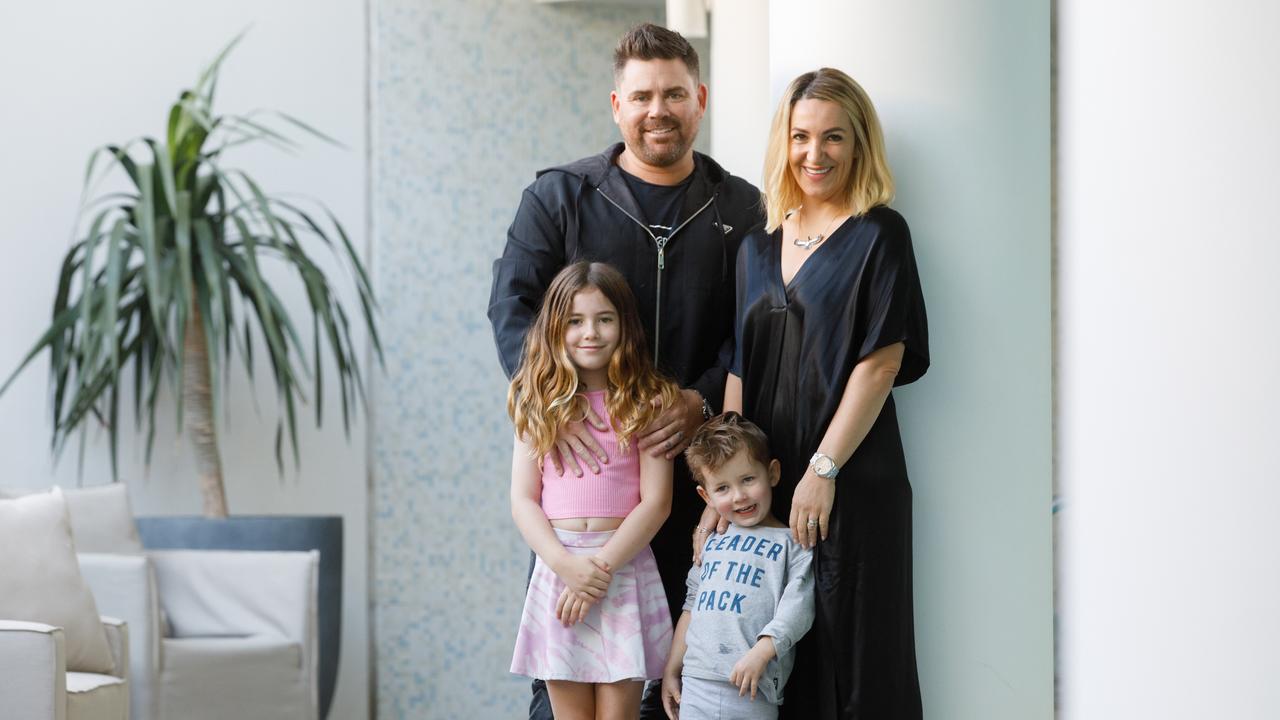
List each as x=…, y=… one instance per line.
x=660, y=131
x=746, y=510
x=816, y=172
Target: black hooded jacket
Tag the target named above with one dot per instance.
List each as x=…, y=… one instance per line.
x=684, y=287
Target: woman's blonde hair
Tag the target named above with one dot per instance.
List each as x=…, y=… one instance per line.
x=544, y=392
x=870, y=182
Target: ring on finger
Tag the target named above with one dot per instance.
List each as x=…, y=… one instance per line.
x=812, y=523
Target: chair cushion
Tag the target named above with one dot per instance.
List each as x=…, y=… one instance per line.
x=260, y=676
x=101, y=518
x=91, y=696
x=237, y=593
x=40, y=578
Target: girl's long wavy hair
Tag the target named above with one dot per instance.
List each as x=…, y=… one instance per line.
x=544, y=392
x=870, y=183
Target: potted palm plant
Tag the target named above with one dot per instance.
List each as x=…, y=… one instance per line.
x=165, y=286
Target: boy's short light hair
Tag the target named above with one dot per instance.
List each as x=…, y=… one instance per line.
x=719, y=439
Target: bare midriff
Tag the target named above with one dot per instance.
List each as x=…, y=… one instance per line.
x=591, y=524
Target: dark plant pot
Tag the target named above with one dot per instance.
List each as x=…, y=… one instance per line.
x=270, y=532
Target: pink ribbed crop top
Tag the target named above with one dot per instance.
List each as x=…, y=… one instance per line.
x=613, y=493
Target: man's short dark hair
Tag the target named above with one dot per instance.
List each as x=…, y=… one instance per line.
x=654, y=42
x=719, y=439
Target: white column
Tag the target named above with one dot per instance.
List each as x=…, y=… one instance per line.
x=963, y=93
x=687, y=17
x=740, y=104
x=1170, y=162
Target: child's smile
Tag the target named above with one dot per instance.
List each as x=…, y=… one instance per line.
x=742, y=489
x=591, y=336
x=747, y=516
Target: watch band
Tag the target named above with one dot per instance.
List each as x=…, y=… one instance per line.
x=706, y=408
x=824, y=466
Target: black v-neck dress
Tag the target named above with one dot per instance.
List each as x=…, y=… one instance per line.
x=796, y=347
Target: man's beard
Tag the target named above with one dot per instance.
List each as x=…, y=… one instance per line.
x=666, y=154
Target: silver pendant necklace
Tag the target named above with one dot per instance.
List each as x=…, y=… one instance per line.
x=806, y=244
x=812, y=239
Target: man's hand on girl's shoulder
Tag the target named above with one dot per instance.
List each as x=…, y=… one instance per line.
x=575, y=446
x=669, y=434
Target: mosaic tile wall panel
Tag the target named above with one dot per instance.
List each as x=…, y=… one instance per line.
x=469, y=99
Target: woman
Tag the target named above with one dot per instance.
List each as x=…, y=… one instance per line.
x=830, y=317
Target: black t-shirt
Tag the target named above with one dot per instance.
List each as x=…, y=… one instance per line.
x=659, y=204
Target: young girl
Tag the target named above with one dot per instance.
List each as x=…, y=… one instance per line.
x=596, y=623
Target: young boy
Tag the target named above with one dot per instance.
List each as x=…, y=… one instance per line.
x=751, y=600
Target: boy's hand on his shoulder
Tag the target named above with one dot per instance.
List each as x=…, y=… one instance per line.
x=747, y=671
x=671, y=692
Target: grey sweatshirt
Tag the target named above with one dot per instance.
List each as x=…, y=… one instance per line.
x=752, y=582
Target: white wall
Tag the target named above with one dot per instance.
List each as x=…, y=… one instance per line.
x=963, y=93
x=739, y=85
x=471, y=99
x=1168, y=252
x=74, y=75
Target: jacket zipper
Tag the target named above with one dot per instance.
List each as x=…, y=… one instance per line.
x=662, y=261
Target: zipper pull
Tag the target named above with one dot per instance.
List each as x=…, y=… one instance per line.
x=662, y=258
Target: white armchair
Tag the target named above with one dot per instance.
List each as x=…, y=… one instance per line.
x=240, y=637
x=240, y=640
x=243, y=634
x=124, y=586
x=37, y=686
x=59, y=660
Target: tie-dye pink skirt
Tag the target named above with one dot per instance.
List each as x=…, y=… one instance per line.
x=625, y=636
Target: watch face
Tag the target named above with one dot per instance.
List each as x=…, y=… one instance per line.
x=824, y=465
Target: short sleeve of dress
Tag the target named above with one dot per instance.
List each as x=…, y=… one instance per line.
x=892, y=303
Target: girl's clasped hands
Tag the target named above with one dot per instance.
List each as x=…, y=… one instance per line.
x=586, y=580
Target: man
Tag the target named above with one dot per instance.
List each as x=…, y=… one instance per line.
x=670, y=220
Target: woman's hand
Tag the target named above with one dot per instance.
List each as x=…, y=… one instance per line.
x=571, y=608
x=669, y=434
x=711, y=521
x=811, y=508
x=587, y=577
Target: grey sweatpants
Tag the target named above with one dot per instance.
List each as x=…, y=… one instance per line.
x=718, y=700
